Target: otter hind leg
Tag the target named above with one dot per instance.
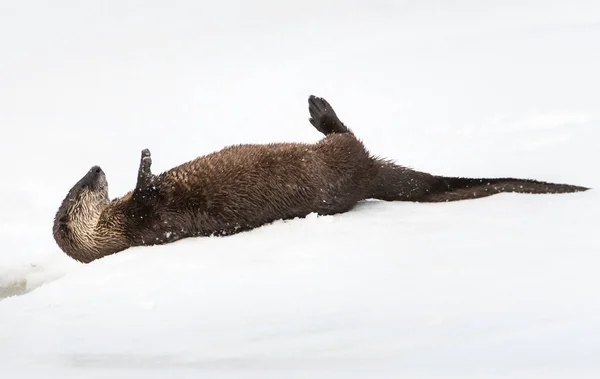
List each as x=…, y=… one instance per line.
x=392, y=182
x=323, y=117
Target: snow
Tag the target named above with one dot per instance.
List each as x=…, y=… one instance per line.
x=501, y=287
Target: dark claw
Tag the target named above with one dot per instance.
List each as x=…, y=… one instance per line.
x=146, y=161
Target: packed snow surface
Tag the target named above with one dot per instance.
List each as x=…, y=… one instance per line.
x=501, y=287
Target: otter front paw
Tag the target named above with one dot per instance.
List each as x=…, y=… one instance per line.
x=145, y=176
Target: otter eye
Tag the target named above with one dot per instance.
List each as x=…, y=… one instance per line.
x=97, y=170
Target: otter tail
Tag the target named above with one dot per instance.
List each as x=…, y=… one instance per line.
x=452, y=189
x=397, y=183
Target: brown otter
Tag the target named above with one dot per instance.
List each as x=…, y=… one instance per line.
x=245, y=186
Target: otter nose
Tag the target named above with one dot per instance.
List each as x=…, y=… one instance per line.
x=96, y=170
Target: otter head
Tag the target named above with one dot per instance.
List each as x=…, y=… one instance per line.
x=75, y=223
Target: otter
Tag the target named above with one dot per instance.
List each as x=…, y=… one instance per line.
x=242, y=187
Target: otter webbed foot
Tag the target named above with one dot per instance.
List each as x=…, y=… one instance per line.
x=145, y=178
x=323, y=117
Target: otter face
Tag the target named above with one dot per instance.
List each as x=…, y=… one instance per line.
x=81, y=208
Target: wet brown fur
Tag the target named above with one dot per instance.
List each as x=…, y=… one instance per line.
x=245, y=186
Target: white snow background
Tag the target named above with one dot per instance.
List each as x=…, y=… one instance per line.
x=501, y=287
